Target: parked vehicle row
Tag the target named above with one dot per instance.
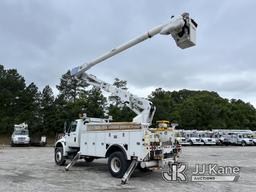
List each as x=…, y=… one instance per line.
x=216, y=137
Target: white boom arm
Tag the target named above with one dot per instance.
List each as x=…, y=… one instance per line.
x=183, y=31
x=144, y=109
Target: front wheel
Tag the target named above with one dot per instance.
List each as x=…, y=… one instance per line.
x=117, y=164
x=243, y=143
x=59, y=158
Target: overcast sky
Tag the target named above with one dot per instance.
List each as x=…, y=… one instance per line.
x=42, y=39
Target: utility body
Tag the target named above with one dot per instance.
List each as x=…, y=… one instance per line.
x=98, y=138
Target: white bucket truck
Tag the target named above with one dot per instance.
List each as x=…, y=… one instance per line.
x=207, y=137
x=20, y=135
x=125, y=144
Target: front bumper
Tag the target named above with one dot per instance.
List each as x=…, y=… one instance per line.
x=210, y=143
x=198, y=143
x=21, y=142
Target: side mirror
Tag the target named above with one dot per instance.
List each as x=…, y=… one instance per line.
x=65, y=127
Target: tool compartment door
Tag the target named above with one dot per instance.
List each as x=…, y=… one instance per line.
x=100, y=144
x=136, y=146
x=88, y=144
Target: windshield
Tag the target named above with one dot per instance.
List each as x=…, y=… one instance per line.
x=21, y=132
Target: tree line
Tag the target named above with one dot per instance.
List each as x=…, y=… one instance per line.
x=45, y=113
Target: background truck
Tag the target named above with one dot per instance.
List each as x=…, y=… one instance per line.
x=190, y=137
x=206, y=137
x=20, y=135
x=233, y=137
x=125, y=144
x=241, y=138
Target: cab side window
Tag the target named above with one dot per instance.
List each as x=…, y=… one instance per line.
x=73, y=127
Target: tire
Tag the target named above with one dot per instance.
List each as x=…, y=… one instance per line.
x=117, y=164
x=220, y=142
x=58, y=156
x=12, y=144
x=191, y=143
x=243, y=143
x=89, y=159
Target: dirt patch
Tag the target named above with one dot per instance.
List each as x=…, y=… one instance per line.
x=4, y=140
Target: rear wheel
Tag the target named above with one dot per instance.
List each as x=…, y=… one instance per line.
x=89, y=159
x=59, y=158
x=117, y=164
x=219, y=142
x=243, y=143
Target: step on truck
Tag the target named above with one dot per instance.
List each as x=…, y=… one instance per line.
x=125, y=144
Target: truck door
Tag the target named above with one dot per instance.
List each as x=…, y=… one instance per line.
x=72, y=135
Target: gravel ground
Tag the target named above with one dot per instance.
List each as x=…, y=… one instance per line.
x=33, y=169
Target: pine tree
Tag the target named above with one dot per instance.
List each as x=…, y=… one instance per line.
x=47, y=111
x=70, y=88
